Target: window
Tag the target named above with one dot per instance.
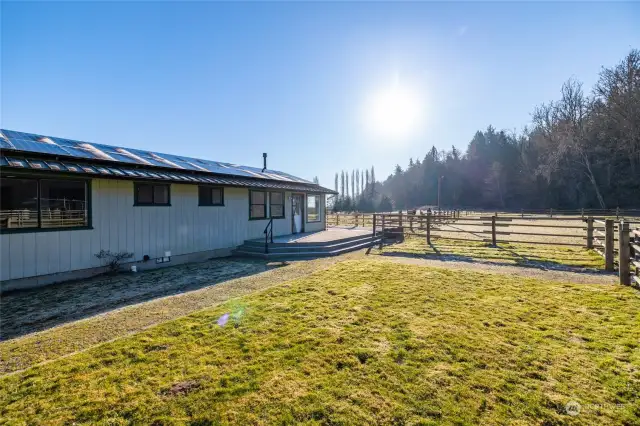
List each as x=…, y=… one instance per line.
x=257, y=205
x=43, y=203
x=151, y=194
x=313, y=208
x=210, y=196
x=276, y=205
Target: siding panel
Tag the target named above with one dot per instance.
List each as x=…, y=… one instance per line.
x=5, y=261
x=118, y=225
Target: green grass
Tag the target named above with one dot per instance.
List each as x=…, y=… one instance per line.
x=512, y=253
x=363, y=342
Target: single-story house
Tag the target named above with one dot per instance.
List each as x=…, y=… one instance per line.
x=63, y=201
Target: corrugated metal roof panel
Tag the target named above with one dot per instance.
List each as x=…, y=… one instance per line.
x=124, y=173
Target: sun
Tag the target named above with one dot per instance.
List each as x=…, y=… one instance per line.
x=394, y=113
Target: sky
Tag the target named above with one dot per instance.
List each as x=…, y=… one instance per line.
x=229, y=81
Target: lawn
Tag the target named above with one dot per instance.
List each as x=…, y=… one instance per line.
x=362, y=342
x=511, y=253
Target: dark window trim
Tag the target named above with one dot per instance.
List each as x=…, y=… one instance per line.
x=265, y=204
x=39, y=177
x=306, y=198
x=283, y=204
x=151, y=204
x=221, y=188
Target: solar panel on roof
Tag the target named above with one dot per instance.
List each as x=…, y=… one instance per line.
x=15, y=162
x=6, y=144
x=39, y=147
x=30, y=142
x=36, y=164
x=73, y=167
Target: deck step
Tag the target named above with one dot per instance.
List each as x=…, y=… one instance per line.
x=295, y=251
x=315, y=247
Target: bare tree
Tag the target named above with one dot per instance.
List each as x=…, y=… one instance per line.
x=565, y=126
x=618, y=95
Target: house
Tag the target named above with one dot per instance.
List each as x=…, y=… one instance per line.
x=63, y=201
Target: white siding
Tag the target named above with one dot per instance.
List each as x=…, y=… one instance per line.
x=118, y=225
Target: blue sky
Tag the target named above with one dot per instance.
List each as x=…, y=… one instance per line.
x=228, y=81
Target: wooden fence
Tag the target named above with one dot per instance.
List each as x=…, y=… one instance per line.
x=628, y=254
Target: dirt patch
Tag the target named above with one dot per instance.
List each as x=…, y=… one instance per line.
x=181, y=388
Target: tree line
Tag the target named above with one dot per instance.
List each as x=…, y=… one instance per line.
x=581, y=151
x=361, y=195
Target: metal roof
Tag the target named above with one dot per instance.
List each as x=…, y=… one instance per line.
x=71, y=156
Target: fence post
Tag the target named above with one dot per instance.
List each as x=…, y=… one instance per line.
x=374, y=224
x=382, y=239
x=617, y=212
x=400, y=222
x=582, y=213
x=590, y=232
x=411, y=223
x=550, y=212
x=493, y=231
x=522, y=213
x=624, y=253
x=608, y=245
x=337, y=219
x=429, y=228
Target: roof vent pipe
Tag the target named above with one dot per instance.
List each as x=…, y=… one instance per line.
x=264, y=160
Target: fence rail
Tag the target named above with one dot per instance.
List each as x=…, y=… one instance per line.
x=597, y=233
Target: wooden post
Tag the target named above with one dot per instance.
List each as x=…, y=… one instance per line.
x=624, y=252
x=374, y=224
x=382, y=239
x=617, y=212
x=429, y=228
x=400, y=222
x=337, y=219
x=582, y=213
x=608, y=244
x=522, y=213
x=411, y=222
x=590, y=232
x=493, y=231
x=550, y=212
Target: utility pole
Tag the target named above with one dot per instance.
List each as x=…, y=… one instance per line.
x=439, y=186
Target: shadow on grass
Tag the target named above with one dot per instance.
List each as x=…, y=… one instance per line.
x=27, y=311
x=528, y=261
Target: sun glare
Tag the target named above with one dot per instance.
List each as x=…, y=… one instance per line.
x=394, y=113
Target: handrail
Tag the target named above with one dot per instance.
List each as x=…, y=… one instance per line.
x=268, y=235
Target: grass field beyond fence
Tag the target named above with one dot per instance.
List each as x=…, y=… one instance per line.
x=510, y=253
x=363, y=342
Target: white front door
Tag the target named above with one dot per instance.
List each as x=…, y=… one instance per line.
x=296, y=213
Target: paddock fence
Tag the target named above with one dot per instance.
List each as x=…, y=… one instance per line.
x=617, y=241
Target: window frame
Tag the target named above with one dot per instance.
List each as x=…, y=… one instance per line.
x=283, y=205
x=266, y=203
x=317, y=197
x=136, y=185
x=40, y=177
x=210, y=187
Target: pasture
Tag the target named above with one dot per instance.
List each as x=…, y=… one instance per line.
x=362, y=342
